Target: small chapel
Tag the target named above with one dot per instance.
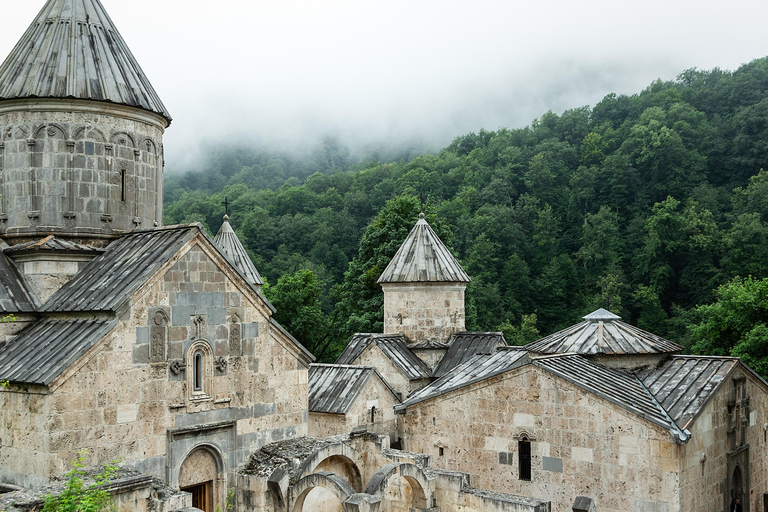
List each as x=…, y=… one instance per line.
x=123, y=339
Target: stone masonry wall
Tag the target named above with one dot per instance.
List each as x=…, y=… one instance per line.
x=580, y=444
x=131, y=396
x=703, y=482
x=424, y=311
x=90, y=170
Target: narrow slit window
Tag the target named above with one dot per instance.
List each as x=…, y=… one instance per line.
x=373, y=414
x=524, y=458
x=198, y=368
x=122, y=185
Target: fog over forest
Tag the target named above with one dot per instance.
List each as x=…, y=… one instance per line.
x=421, y=73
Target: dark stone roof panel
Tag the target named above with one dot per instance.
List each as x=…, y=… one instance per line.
x=42, y=351
x=394, y=348
x=464, y=345
x=107, y=281
x=477, y=368
x=684, y=384
x=15, y=293
x=334, y=388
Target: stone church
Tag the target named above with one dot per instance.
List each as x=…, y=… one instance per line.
x=128, y=340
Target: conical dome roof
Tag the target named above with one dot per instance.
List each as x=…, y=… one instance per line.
x=73, y=50
x=423, y=257
x=601, y=333
x=230, y=245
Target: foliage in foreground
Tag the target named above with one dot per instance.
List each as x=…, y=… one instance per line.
x=79, y=497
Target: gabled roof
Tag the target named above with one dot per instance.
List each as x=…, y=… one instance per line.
x=393, y=346
x=73, y=50
x=464, y=345
x=477, y=368
x=15, y=293
x=423, y=258
x=108, y=280
x=333, y=388
x=42, y=351
x=617, y=386
x=684, y=384
x=602, y=332
x=51, y=243
x=230, y=245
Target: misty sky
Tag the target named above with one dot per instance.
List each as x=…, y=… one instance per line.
x=295, y=70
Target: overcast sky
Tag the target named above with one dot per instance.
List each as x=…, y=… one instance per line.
x=295, y=70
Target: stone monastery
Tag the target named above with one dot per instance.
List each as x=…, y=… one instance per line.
x=124, y=339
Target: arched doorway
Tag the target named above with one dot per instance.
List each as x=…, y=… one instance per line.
x=201, y=476
x=737, y=485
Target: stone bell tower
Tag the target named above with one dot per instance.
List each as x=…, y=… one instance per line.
x=423, y=288
x=81, y=132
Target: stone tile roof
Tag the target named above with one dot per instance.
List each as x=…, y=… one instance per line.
x=51, y=243
x=464, y=345
x=423, y=258
x=42, y=351
x=333, y=388
x=477, y=368
x=393, y=346
x=684, y=384
x=15, y=294
x=230, y=245
x=617, y=386
x=73, y=50
x=602, y=332
x=108, y=280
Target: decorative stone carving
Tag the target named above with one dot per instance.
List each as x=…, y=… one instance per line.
x=198, y=324
x=158, y=335
x=221, y=363
x=235, y=336
x=177, y=366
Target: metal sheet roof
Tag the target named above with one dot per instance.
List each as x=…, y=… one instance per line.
x=108, y=280
x=464, y=345
x=230, y=245
x=73, y=50
x=603, y=333
x=51, y=243
x=423, y=258
x=478, y=367
x=15, y=293
x=333, y=388
x=46, y=348
x=393, y=346
x=684, y=384
x=616, y=386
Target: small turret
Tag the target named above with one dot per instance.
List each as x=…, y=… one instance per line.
x=423, y=288
x=230, y=245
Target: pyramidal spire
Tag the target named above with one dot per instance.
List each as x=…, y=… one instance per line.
x=230, y=245
x=73, y=50
x=423, y=257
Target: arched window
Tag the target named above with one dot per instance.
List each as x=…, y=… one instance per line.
x=198, y=369
x=373, y=414
x=524, y=458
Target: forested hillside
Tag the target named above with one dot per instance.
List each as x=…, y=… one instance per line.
x=644, y=204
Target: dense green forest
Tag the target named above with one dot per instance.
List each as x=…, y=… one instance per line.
x=644, y=204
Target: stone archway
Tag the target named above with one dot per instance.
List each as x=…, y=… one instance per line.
x=419, y=488
x=333, y=486
x=336, y=458
x=201, y=474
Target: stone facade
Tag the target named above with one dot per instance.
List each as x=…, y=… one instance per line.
x=78, y=168
x=132, y=395
x=373, y=410
x=728, y=436
x=424, y=311
x=579, y=443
